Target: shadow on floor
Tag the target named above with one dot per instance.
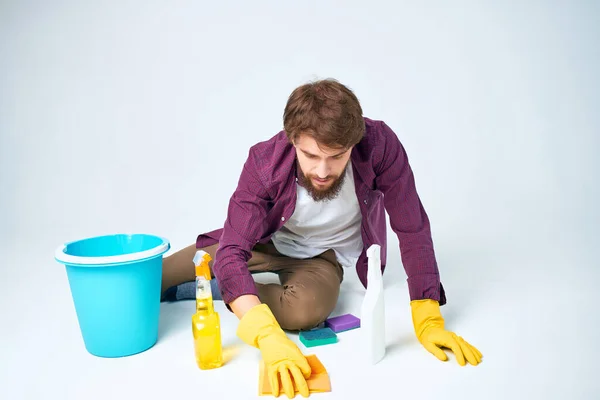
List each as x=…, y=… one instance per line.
x=230, y=351
x=173, y=318
x=399, y=344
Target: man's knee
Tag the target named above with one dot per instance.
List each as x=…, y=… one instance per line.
x=305, y=307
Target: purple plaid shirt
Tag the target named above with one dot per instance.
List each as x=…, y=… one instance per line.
x=265, y=198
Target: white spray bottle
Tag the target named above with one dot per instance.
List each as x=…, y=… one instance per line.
x=372, y=322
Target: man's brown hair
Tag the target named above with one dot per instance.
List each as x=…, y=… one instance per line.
x=326, y=110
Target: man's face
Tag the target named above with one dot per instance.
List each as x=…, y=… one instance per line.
x=321, y=169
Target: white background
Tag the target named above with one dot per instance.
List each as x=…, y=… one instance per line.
x=137, y=116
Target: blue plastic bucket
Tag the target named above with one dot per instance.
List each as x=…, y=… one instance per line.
x=115, y=283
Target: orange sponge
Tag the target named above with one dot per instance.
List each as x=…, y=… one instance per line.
x=318, y=382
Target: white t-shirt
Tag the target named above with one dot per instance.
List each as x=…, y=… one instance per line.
x=319, y=226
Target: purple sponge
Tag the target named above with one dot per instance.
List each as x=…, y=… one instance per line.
x=342, y=323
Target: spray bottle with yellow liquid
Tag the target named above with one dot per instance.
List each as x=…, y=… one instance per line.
x=206, y=326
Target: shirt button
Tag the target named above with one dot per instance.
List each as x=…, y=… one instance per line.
x=283, y=218
x=365, y=201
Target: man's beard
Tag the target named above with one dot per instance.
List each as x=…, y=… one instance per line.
x=321, y=194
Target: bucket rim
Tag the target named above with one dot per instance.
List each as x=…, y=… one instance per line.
x=62, y=257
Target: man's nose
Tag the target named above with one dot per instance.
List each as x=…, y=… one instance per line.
x=322, y=170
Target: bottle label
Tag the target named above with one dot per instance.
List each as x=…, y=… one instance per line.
x=202, y=288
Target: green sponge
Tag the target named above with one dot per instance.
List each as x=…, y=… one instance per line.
x=318, y=337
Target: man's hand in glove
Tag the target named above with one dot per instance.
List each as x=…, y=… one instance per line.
x=283, y=360
x=429, y=328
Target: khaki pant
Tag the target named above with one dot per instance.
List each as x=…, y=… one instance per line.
x=308, y=292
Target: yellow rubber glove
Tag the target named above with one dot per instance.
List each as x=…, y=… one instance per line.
x=429, y=328
x=283, y=359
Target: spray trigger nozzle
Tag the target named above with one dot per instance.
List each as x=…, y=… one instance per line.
x=200, y=257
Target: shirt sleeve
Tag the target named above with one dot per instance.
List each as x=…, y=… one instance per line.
x=246, y=221
x=408, y=219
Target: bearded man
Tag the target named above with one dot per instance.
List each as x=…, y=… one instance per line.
x=309, y=202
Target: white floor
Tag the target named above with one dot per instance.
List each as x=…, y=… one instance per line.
x=532, y=318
